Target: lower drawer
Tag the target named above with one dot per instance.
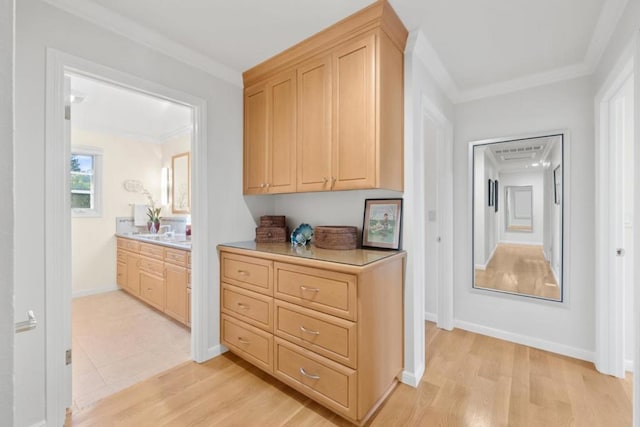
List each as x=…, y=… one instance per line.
x=248, y=342
x=325, y=381
x=152, y=290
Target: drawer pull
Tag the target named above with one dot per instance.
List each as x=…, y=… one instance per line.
x=313, y=377
x=243, y=272
x=243, y=341
x=304, y=288
x=308, y=331
x=243, y=306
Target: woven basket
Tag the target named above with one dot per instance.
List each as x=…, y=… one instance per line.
x=343, y=237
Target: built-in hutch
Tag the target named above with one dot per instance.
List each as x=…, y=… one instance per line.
x=327, y=113
x=327, y=323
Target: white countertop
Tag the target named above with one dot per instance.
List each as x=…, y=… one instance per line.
x=178, y=241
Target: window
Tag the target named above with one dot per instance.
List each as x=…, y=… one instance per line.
x=86, y=180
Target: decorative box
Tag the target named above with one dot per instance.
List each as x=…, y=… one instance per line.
x=272, y=229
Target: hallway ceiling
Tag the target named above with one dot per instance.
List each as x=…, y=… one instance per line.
x=483, y=45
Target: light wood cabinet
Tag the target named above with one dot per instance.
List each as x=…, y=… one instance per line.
x=327, y=324
x=348, y=113
x=270, y=136
x=158, y=275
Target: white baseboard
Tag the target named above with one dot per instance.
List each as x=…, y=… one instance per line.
x=42, y=423
x=481, y=266
x=215, y=351
x=413, y=378
x=628, y=365
x=538, y=343
x=553, y=271
x=93, y=291
x=431, y=317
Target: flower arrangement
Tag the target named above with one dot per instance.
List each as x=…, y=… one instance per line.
x=153, y=213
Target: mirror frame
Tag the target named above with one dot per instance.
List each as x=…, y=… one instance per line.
x=174, y=160
x=564, y=231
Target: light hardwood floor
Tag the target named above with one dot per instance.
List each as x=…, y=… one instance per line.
x=520, y=269
x=119, y=341
x=470, y=380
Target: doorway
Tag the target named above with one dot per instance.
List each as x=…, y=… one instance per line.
x=58, y=222
x=122, y=335
x=615, y=340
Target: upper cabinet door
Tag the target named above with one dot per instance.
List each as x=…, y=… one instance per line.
x=281, y=116
x=354, y=126
x=270, y=136
x=255, y=139
x=314, y=125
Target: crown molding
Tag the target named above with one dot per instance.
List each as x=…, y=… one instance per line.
x=125, y=27
x=118, y=133
x=165, y=137
x=527, y=82
x=421, y=47
x=609, y=16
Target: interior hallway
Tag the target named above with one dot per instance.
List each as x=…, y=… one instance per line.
x=119, y=341
x=519, y=269
x=470, y=380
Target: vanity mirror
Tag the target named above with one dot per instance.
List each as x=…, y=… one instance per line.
x=181, y=183
x=517, y=248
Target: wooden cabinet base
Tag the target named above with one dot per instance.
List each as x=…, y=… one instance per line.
x=331, y=330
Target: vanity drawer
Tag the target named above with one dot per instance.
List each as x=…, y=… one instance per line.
x=250, y=273
x=128, y=244
x=152, y=266
x=122, y=257
x=326, y=381
x=248, y=342
x=152, y=290
x=248, y=306
x=150, y=250
x=175, y=256
x=329, y=336
x=323, y=290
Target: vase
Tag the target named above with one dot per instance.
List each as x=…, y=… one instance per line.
x=153, y=226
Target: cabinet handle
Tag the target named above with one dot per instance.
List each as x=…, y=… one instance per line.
x=304, y=288
x=313, y=377
x=267, y=185
x=243, y=306
x=262, y=185
x=243, y=272
x=243, y=341
x=308, y=331
x=325, y=179
x=333, y=181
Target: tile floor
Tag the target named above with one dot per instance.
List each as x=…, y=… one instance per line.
x=119, y=341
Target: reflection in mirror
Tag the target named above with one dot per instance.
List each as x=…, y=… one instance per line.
x=517, y=247
x=181, y=183
x=519, y=208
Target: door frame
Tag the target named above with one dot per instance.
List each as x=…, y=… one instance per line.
x=58, y=220
x=609, y=300
x=444, y=214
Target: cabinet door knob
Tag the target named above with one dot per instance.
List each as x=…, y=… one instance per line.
x=333, y=181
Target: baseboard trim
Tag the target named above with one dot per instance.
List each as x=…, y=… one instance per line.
x=42, y=423
x=94, y=291
x=215, y=351
x=628, y=365
x=538, y=343
x=431, y=317
x=413, y=379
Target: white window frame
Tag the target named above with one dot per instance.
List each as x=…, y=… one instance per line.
x=97, y=153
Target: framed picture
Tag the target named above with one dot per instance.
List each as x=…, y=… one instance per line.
x=490, y=192
x=495, y=194
x=382, y=224
x=557, y=184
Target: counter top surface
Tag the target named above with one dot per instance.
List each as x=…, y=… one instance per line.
x=356, y=257
x=178, y=241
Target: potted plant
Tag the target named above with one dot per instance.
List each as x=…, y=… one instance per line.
x=153, y=214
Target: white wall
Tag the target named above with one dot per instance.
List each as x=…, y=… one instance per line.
x=230, y=218
x=564, y=327
x=535, y=180
x=6, y=211
x=480, y=202
x=93, y=244
x=552, y=213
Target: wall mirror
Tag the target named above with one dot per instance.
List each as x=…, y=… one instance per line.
x=517, y=225
x=181, y=183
